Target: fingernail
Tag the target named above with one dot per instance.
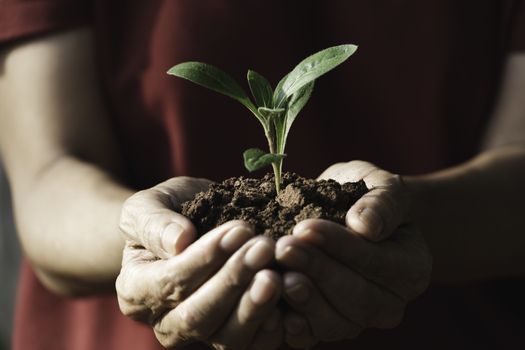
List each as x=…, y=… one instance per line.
x=310, y=235
x=262, y=289
x=258, y=255
x=172, y=239
x=294, y=256
x=371, y=221
x=294, y=326
x=299, y=293
x=235, y=238
x=272, y=322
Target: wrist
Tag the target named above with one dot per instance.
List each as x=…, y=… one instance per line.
x=422, y=197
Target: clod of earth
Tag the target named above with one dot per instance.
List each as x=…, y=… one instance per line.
x=255, y=201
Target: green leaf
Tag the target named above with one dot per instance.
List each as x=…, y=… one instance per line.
x=215, y=79
x=261, y=89
x=312, y=68
x=278, y=95
x=273, y=118
x=255, y=159
x=271, y=113
x=294, y=106
x=210, y=77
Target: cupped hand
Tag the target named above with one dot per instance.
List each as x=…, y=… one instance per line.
x=215, y=290
x=343, y=279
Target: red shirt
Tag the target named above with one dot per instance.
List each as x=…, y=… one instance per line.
x=415, y=98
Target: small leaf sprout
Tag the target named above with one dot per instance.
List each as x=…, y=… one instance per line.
x=277, y=109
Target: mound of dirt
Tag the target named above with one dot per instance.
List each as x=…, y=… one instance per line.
x=254, y=201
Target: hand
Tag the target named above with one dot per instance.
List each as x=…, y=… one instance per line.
x=344, y=279
x=215, y=290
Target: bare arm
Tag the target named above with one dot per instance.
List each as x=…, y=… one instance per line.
x=58, y=151
x=473, y=215
x=59, y=156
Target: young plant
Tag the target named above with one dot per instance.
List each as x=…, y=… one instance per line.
x=275, y=110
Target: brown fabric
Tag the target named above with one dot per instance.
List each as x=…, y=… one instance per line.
x=46, y=321
x=415, y=98
x=518, y=33
x=24, y=18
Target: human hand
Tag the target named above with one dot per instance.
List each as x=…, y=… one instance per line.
x=215, y=290
x=341, y=280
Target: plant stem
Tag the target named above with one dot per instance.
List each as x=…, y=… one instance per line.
x=270, y=136
x=277, y=177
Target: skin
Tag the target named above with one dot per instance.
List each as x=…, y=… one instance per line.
x=381, y=241
x=70, y=207
x=341, y=280
x=175, y=286
x=67, y=198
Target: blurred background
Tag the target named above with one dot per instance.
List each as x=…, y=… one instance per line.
x=9, y=264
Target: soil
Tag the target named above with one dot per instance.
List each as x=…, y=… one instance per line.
x=254, y=201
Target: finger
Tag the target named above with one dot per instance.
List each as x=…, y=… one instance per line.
x=338, y=242
x=401, y=264
x=148, y=217
x=202, y=313
x=145, y=284
x=356, y=298
x=297, y=332
x=380, y=211
x=325, y=322
x=376, y=214
x=256, y=305
x=348, y=171
x=182, y=188
x=190, y=269
x=149, y=222
x=138, y=290
x=271, y=333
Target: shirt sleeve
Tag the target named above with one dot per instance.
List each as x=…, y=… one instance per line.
x=21, y=19
x=517, y=38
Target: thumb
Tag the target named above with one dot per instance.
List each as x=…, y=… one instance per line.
x=162, y=231
x=379, y=212
x=148, y=218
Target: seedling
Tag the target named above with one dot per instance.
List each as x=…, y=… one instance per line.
x=275, y=110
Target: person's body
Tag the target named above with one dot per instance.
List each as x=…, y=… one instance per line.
x=76, y=147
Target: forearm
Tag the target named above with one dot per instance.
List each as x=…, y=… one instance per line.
x=472, y=216
x=59, y=152
x=68, y=220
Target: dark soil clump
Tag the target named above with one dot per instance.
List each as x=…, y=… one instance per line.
x=254, y=201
